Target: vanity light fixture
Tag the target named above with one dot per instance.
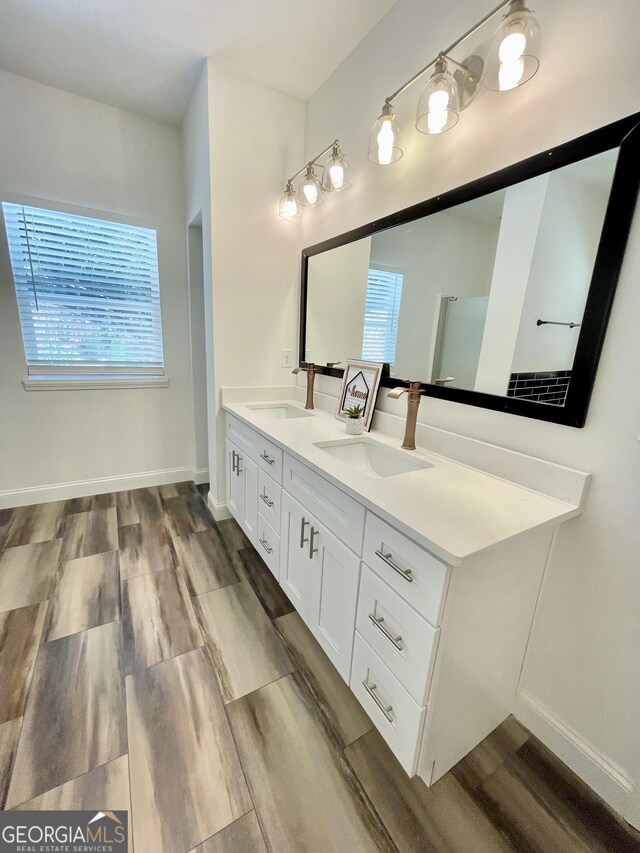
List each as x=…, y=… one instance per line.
x=385, y=142
x=336, y=177
x=289, y=207
x=514, y=56
x=513, y=59
x=439, y=104
x=310, y=189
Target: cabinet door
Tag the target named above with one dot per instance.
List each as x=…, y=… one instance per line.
x=235, y=485
x=294, y=553
x=333, y=594
x=249, y=478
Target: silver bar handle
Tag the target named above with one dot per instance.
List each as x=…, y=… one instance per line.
x=266, y=458
x=265, y=545
x=303, y=524
x=239, y=470
x=312, y=536
x=386, y=709
x=378, y=621
x=233, y=462
x=404, y=573
x=264, y=497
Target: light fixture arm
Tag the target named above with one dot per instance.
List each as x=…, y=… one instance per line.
x=313, y=161
x=444, y=54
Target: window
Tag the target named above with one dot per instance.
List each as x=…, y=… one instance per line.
x=87, y=290
x=382, y=309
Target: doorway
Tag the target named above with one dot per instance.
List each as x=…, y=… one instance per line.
x=198, y=349
x=460, y=328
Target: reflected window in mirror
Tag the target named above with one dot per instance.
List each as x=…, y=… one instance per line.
x=381, y=314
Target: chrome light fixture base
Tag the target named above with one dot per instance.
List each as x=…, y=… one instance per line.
x=469, y=79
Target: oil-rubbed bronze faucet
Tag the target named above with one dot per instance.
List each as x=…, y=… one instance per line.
x=414, y=391
x=310, y=369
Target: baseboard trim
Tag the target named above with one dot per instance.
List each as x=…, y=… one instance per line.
x=218, y=510
x=97, y=486
x=601, y=774
x=201, y=475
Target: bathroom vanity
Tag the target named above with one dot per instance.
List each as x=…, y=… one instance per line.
x=417, y=572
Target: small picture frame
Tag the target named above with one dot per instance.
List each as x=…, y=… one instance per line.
x=360, y=385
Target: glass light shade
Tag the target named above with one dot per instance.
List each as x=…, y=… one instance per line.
x=439, y=104
x=336, y=176
x=289, y=206
x=310, y=190
x=514, y=56
x=385, y=142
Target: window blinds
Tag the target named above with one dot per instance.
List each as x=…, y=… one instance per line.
x=382, y=309
x=87, y=290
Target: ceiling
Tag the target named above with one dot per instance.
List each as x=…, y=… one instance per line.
x=145, y=55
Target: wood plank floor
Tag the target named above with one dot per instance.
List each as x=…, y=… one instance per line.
x=150, y=662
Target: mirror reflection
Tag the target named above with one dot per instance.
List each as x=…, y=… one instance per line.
x=486, y=296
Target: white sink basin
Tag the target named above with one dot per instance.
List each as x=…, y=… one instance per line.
x=372, y=458
x=280, y=410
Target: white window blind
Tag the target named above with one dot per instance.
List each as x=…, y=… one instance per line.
x=382, y=309
x=88, y=293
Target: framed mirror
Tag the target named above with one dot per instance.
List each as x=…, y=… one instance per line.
x=495, y=294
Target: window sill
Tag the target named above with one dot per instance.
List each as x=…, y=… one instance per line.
x=92, y=383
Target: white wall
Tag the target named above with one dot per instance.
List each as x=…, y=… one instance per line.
x=336, y=299
x=197, y=316
x=521, y=214
x=197, y=180
x=242, y=140
x=62, y=148
x=582, y=671
x=560, y=274
x=422, y=251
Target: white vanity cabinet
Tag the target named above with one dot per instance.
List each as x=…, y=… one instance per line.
x=242, y=490
x=254, y=475
x=320, y=575
x=433, y=651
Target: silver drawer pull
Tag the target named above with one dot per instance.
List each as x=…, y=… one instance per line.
x=312, y=536
x=303, y=524
x=266, y=458
x=386, y=709
x=404, y=573
x=265, y=545
x=263, y=497
x=233, y=461
x=239, y=470
x=378, y=621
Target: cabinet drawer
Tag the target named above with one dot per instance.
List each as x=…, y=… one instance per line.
x=396, y=716
x=410, y=570
x=342, y=515
x=242, y=436
x=269, y=457
x=269, y=499
x=397, y=633
x=268, y=545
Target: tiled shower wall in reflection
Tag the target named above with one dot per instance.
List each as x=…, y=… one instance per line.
x=544, y=387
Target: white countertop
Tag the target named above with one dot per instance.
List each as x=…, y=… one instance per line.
x=453, y=510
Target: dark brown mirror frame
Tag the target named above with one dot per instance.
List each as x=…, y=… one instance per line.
x=624, y=134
